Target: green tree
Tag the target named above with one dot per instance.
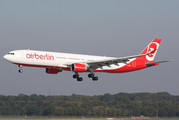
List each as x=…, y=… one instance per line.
x=33, y=110
x=6, y=110
x=49, y=110
x=136, y=112
x=59, y=111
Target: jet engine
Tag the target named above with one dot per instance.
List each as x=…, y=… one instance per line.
x=76, y=67
x=52, y=71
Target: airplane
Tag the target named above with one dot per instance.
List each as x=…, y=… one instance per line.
x=55, y=62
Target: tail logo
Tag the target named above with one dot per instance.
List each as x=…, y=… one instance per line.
x=151, y=47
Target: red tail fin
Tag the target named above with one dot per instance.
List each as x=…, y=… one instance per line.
x=152, y=48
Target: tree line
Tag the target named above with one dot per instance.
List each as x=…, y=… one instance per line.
x=121, y=105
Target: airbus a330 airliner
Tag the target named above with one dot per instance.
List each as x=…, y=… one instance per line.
x=55, y=62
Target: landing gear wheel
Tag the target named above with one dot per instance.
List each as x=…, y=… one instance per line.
x=75, y=76
x=90, y=75
x=20, y=70
x=95, y=78
x=80, y=79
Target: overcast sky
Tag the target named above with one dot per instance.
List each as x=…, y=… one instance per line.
x=115, y=28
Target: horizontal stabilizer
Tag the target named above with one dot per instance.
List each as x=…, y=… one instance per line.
x=148, y=64
x=165, y=61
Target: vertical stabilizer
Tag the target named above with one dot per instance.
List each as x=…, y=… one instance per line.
x=154, y=45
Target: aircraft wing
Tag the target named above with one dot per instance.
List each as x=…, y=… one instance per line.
x=107, y=62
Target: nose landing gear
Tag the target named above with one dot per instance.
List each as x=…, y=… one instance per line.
x=20, y=69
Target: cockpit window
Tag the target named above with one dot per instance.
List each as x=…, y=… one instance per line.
x=10, y=53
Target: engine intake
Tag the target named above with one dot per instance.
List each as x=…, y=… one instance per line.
x=76, y=67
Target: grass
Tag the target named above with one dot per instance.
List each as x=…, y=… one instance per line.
x=61, y=118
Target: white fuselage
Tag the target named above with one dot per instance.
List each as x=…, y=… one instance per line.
x=52, y=59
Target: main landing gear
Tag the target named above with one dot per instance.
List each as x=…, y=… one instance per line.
x=91, y=75
x=94, y=78
x=76, y=76
x=20, y=69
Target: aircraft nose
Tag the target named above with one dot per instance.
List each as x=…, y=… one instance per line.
x=9, y=58
x=5, y=57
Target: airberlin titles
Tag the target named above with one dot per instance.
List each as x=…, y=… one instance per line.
x=40, y=57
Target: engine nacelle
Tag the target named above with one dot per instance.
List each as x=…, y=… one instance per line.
x=52, y=71
x=76, y=67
